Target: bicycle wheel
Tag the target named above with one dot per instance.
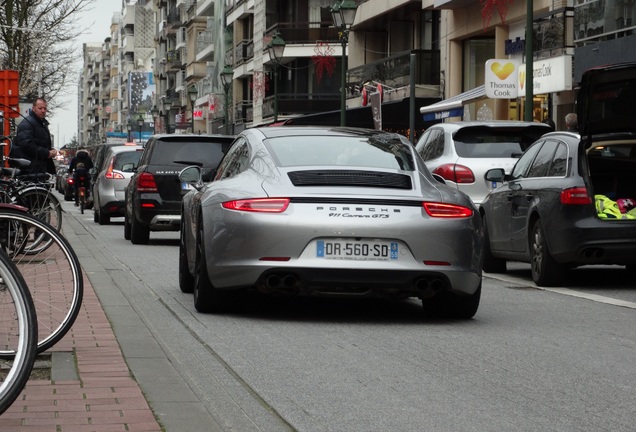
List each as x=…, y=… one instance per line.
x=54, y=275
x=43, y=205
x=82, y=199
x=18, y=333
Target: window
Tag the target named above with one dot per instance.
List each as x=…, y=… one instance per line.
x=559, y=167
x=543, y=160
x=235, y=162
x=432, y=144
x=522, y=166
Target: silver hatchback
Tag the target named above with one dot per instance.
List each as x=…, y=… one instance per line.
x=462, y=152
x=113, y=176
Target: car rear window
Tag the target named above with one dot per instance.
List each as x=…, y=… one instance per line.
x=121, y=159
x=340, y=151
x=483, y=142
x=206, y=152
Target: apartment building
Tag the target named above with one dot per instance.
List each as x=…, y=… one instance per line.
x=415, y=53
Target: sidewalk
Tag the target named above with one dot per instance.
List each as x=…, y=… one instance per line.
x=90, y=387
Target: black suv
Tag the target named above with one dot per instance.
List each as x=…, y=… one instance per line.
x=153, y=196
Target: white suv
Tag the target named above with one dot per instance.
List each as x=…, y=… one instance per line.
x=462, y=152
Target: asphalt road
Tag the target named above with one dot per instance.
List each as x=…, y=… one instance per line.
x=550, y=360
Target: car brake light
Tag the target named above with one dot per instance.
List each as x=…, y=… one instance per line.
x=449, y=211
x=69, y=180
x=455, y=173
x=146, y=183
x=577, y=195
x=109, y=172
x=259, y=205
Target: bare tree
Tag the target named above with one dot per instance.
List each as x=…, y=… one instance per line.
x=37, y=39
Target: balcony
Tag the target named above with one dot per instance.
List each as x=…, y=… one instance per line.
x=128, y=44
x=305, y=32
x=174, y=60
x=244, y=111
x=182, y=38
x=174, y=17
x=395, y=71
x=128, y=17
x=243, y=52
x=301, y=103
x=205, y=46
x=196, y=71
x=205, y=7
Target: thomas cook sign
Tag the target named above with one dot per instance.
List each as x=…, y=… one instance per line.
x=502, y=80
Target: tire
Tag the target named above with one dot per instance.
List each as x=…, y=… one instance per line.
x=103, y=219
x=186, y=280
x=546, y=271
x=67, y=196
x=43, y=205
x=491, y=264
x=207, y=299
x=18, y=325
x=58, y=296
x=95, y=216
x=126, y=228
x=139, y=233
x=449, y=305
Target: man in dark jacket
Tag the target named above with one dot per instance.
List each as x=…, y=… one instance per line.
x=79, y=168
x=33, y=140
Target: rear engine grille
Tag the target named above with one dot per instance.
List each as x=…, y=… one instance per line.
x=351, y=178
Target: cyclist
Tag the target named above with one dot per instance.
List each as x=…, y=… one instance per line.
x=79, y=167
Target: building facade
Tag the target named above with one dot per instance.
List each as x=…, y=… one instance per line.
x=413, y=53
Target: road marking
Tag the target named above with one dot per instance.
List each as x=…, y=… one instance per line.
x=568, y=292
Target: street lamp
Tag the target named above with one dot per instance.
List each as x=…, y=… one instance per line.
x=167, y=105
x=276, y=48
x=129, y=127
x=155, y=115
x=140, y=123
x=343, y=14
x=192, y=93
x=226, y=79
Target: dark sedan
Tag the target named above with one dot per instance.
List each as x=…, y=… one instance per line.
x=569, y=200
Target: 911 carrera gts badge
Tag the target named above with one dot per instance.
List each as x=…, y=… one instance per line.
x=358, y=212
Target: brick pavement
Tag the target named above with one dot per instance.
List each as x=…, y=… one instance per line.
x=101, y=395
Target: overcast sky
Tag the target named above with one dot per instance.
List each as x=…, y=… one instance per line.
x=97, y=20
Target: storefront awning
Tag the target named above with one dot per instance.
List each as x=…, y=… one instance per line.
x=453, y=106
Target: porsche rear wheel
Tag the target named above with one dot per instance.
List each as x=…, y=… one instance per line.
x=449, y=305
x=206, y=297
x=186, y=280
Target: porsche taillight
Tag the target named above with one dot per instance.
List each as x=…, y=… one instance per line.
x=258, y=205
x=146, y=183
x=448, y=211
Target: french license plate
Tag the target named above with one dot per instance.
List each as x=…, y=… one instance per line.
x=363, y=250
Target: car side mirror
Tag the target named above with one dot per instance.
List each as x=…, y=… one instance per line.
x=129, y=167
x=191, y=174
x=495, y=175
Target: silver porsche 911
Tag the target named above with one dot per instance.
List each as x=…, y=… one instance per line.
x=328, y=211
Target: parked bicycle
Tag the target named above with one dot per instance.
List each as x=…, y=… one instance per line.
x=50, y=268
x=18, y=332
x=33, y=191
